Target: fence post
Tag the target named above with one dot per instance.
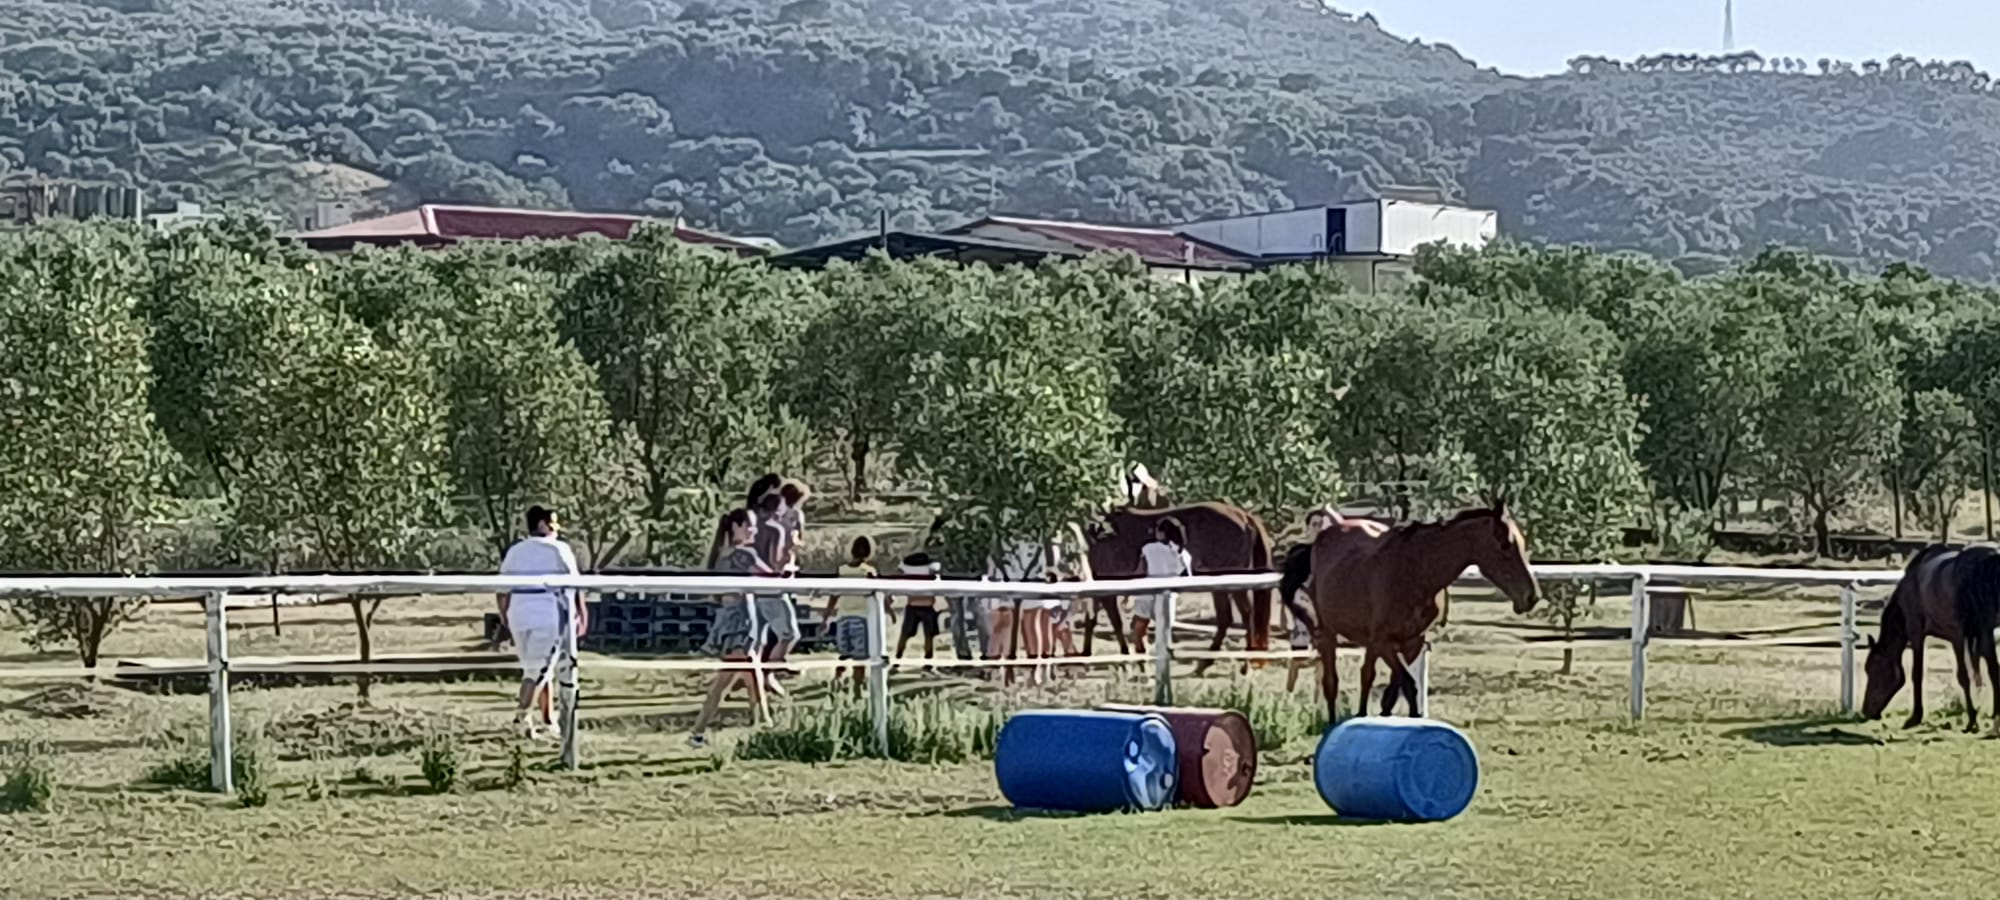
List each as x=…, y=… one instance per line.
x=1848, y=637
x=878, y=671
x=1420, y=669
x=221, y=736
x=1639, y=617
x=1163, y=650
x=566, y=677
x=759, y=690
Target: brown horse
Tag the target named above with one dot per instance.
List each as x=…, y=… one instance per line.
x=1382, y=589
x=1220, y=538
x=1945, y=593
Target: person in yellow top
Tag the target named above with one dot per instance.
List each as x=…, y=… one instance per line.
x=849, y=612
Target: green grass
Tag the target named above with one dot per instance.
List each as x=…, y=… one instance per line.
x=1739, y=784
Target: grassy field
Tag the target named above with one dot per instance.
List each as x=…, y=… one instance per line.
x=1740, y=783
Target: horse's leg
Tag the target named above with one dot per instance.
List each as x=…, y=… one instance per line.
x=1400, y=681
x=1250, y=641
x=1368, y=657
x=1916, y=681
x=1223, y=620
x=1964, y=673
x=1109, y=607
x=1986, y=650
x=1329, y=675
x=1409, y=679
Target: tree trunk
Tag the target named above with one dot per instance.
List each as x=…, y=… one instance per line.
x=1822, y=537
x=1896, y=498
x=1986, y=482
x=859, y=453
x=367, y=646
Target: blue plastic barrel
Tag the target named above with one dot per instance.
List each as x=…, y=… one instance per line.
x=1399, y=770
x=1086, y=761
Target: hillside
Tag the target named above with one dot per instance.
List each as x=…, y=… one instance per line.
x=802, y=120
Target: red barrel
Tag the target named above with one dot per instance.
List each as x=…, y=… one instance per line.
x=1217, y=752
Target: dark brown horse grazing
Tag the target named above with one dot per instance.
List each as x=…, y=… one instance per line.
x=1382, y=590
x=1220, y=538
x=1949, y=594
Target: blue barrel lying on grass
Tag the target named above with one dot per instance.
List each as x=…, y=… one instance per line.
x=1086, y=761
x=1398, y=770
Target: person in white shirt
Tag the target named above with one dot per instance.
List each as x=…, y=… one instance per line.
x=536, y=616
x=1165, y=556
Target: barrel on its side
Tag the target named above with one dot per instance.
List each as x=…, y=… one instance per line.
x=1404, y=770
x=1217, y=750
x=1086, y=761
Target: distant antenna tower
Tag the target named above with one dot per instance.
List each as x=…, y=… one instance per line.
x=1729, y=26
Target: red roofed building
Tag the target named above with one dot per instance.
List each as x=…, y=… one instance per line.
x=440, y=225
x=1161, y=249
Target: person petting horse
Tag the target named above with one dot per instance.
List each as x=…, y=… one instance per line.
x=1946, y=593
x=1219, y=538
x=1382, y=589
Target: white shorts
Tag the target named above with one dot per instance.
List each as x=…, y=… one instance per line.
x=536, y=647
x=1147, y=606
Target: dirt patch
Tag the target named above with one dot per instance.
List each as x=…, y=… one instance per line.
x=75, y=701
x=354, y=729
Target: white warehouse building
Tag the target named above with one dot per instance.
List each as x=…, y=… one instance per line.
x=1371, y=241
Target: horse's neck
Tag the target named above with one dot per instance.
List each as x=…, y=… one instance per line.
x=1437, y=556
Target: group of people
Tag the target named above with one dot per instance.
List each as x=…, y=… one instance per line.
x=762, y=538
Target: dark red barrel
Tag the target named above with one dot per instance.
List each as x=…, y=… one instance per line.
x=1217, y=752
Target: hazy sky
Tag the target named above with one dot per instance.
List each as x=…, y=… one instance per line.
x=1533, y=37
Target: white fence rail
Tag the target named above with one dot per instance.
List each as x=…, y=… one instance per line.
x=216, y=591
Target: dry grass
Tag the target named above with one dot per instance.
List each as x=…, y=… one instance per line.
x=1739, y=784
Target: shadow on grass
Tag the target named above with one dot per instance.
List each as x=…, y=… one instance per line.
x=1823, y=731
x=995, y=812
x=1317, y=820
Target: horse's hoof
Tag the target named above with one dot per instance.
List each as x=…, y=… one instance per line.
x=1913, y=721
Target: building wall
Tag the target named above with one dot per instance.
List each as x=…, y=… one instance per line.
x=1408, y=225
x=1364, y=226
x=1294, y=231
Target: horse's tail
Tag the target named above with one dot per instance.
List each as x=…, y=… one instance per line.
x=1978, y=602
x=1260, y=599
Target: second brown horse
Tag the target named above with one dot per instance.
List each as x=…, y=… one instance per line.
x=1381, y=588
x=1220, y=538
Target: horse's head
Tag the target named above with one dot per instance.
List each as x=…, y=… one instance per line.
x=1885, y=677
x=1501, y=554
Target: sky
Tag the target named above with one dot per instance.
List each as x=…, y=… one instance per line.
x=1537, y=37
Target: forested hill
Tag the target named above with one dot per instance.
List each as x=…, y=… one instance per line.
x=801, y=120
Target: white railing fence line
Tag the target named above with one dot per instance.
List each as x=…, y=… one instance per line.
x=215, y=591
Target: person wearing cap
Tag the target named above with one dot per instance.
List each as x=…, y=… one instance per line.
x=535, y=616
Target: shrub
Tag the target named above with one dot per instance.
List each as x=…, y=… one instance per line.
x=30, y=784
x=439, y=761
x=929, y=730
x=186, y=765
x=516, y=773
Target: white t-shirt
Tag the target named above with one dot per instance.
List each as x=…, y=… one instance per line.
x=1164, y=560
x=536, y=556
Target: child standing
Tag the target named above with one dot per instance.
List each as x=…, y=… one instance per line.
x=1165, y=556
x=730, y=638
x=849, y=612
x=920, y=613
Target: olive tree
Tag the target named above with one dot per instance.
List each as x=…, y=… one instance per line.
x=82, y=468
x=1536, y=410
x=1700, y=361
x=348, y=469
x=851, y=378
x=1013, y=427
x=1834, y=411
x=687, y=343
x=1937, y=457
x=1239, y=382
x=526, y=421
